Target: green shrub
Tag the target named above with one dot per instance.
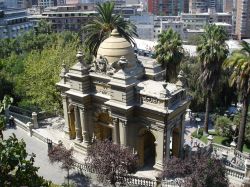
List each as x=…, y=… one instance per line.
x=2, y=122
x=199, y=135
x=223, y=125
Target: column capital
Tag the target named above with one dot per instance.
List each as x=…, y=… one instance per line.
x=123, y=122
x=82, y=108
x=115, y=120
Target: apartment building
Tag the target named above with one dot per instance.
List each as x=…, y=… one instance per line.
x=70, y=17
x=167, y=7
x=46, y=3
x=13, y=23
x=242, y=30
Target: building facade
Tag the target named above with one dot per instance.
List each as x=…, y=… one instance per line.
x=229, y=5
x=124, y=99
x=167, y=7
x=46, y=3
x=13, y=23
x=243, y=19
x=65, y=18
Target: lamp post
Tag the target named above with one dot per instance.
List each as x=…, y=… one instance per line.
x=210, y=139
x=189, y=112
x=197, y=120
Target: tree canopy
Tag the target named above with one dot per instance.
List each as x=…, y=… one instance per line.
x=199, y=170
x=17, y=166
x=239, y=64
x=102, y=25
x=30, y=66
x=169, y=52
x=111, y=160
x=212, y=51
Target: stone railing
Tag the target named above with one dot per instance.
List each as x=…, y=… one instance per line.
x=242, y=156
x=172, y=183
x=239, y=166
x=235, y=173
x=221, y=148
x=21, y=124
x=27, y=115
x=132, y=180
x=129, y=180
x=21, y=117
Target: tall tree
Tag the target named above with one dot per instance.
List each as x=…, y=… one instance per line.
x=239, y=63
x=212, y=51
x=103, y=23
x=169, y=53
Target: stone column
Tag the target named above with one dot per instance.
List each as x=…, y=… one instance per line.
x=34, y=118
x=78, y=124
x=66, y=114
x=123, y=131
x=182, y=135
x=246, y=179
x=168, y=143
x=84, y=125
x=30, y=127
x=159, y=160
x=115, y=130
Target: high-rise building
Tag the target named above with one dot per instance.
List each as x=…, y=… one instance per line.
x=228, y=5
x=198, y=6
x=219, y=6
x=243, y=19
x=14, y=22
x=167, y=7
x=212, y=5
x=60, y=2
x=71, y=2
x=185, y=6
x=46, y=3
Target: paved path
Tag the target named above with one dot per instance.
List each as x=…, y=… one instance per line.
x=49, y=171
x=33, y=145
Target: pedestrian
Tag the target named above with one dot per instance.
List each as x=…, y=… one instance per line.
x=191, y=141
x=11, y=122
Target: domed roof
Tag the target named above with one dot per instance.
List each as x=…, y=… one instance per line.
x=114, y=47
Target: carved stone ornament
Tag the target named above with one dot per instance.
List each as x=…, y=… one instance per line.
x=148, y=99
x=102, y=66
x=114, y=120
x=123, y=122
x=123, y=63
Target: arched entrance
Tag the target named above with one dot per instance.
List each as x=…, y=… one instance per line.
x=72, y=129
x=146, y=148
x=102, y=132
x=103, y=127
x=176, y=142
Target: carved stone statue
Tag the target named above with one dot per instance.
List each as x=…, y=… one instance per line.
x=102, y=66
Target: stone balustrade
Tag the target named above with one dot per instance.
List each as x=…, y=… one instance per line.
x=221, y=148
x=236, y=173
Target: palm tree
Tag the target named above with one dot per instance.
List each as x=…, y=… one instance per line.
x=239, y=63
x=169, y=53
x=103, y=23
x=212, y=51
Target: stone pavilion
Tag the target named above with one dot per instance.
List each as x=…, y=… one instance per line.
x=123, y=98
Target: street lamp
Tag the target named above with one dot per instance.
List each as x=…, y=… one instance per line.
x=189, y=112
x=197, y=120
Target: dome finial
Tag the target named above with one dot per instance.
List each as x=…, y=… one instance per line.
x=115, y=32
